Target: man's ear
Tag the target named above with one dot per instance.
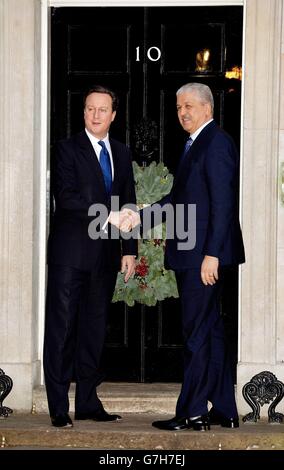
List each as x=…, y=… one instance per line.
x=208, y=110
x=113, y=116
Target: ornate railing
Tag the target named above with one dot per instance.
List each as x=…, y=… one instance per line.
x=6, y=385
x=263, y=388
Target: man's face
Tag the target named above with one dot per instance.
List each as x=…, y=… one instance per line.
x=98, y=114
x=192, y=113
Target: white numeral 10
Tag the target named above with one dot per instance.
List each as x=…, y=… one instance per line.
x=152, y=51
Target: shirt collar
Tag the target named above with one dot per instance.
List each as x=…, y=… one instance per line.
x=197, y=132
x=95, y=140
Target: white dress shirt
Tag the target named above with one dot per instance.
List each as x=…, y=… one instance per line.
x=196, y=133
x=97, y=147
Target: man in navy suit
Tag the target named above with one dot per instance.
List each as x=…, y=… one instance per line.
x=207, y=177
x=82, y=270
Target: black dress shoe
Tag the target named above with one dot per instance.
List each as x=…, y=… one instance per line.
x=173, y=424
x=61, y=421
x=217, y=418
x=201, y=423
x=100, y=415
x=179, y=424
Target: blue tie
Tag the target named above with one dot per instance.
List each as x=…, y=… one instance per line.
x=105, y=166
x=187, y=145
x=186, y=149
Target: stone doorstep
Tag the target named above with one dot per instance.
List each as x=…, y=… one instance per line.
x=134, y=431
x=140, y=404
x=124, y=397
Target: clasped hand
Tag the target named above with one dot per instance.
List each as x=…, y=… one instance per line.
x=125, y=220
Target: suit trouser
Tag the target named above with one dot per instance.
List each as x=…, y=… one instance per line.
x=77, y=305
x=207, y=366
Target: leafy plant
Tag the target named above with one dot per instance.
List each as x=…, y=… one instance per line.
x=151, y=282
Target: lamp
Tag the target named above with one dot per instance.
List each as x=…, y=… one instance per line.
x=202, y=61
x=235, y=72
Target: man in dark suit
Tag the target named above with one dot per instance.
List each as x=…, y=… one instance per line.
x=207, y=177
x=88, y=169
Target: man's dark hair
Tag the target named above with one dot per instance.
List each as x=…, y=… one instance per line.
x=103, y=89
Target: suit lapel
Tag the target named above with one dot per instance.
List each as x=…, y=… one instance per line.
x=92, y=159
x=194, y=152
x=115, y=159
x=202, y=140
x=89, y=154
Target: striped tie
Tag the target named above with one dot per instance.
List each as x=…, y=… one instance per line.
x=186, y=149
x=187, y=145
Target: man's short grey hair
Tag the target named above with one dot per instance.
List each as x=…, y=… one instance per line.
x=203, y=91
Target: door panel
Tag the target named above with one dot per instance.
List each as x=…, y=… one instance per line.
x=99, y=45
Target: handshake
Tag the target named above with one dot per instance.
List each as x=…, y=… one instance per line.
x=125, y=220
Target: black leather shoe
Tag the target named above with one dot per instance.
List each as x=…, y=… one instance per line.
x=199, y=424
x=100, y=415
x=217, y=418
x=61, y=421
x=174, y=424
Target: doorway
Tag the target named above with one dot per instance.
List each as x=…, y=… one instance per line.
x=146, y=54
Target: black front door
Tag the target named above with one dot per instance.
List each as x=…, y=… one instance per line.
x=146, y=54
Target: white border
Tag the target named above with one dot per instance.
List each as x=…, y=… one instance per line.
x=151, y=3
x=44, y=145
x=45, y=118
x=241, y=171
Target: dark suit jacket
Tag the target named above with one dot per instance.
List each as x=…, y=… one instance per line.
x=208, y=176
x=77, y=183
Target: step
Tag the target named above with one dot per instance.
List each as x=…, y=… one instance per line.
x=124, y=397
x=134, y=431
